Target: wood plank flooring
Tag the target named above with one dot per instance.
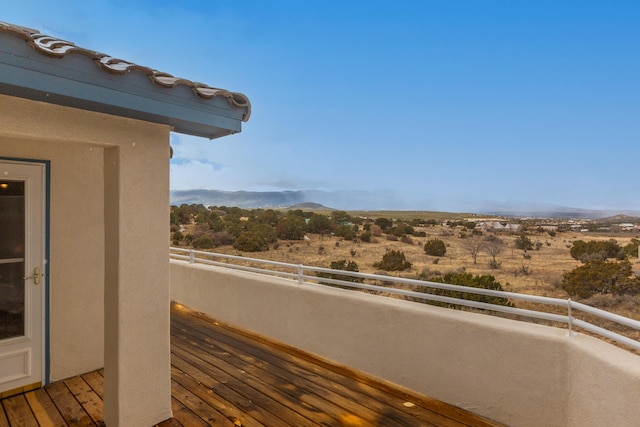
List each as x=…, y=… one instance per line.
x=221, y=376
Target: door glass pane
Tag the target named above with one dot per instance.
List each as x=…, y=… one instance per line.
x=12, y=233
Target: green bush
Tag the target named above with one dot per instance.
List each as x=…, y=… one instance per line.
x=598, y=276
x=366, y=237
x=251, y=241
x=435, y=247
x=485, y=281
x=631, y=248
x=384, y=223
x=401, y=229
x=343, y=265
x=345, y=231
x=524, y=243
x=293, y=227
x=393, y=261
x=204, y=242
x=596, y=250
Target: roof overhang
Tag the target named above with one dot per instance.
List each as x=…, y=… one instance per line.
x=43, y=68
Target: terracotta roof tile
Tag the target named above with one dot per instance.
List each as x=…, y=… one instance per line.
x=57, y=48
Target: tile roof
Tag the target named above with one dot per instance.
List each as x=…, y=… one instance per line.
x=57, y=48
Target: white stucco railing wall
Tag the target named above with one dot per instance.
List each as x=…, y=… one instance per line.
x=517, y=373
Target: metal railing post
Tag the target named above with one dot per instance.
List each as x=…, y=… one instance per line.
x=570, y=318
x=192, y=257
x=300, y=274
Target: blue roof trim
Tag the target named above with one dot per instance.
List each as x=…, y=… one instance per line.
x=42, y=68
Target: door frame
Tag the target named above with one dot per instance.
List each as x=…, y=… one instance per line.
x=46, y=338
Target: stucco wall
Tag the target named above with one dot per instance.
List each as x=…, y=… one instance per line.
x=517, y=373
x=77, y=251
x=109, y=253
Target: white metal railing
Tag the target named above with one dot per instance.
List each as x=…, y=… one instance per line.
x=299, y=272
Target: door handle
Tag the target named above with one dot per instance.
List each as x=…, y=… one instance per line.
x=36, y=276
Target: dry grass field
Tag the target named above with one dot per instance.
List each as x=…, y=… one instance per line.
x=537, y=272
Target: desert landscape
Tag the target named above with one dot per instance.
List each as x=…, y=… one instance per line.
x=537, y=270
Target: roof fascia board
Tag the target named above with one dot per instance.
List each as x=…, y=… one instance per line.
x=76, y=82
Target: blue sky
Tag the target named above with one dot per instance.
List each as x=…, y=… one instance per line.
x=449, y=105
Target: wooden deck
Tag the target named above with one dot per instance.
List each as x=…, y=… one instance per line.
x=222, y=376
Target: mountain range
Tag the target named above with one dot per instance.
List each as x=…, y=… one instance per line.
x=375, y=200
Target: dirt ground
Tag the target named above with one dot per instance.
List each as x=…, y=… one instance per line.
x=536, y=272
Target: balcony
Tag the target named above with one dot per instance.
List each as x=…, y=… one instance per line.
x=223, y=376
x=320, y=355
x=562, y=373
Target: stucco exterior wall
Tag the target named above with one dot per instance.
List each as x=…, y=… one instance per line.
x=77, y=251
x=517, y=373
x=109, y=282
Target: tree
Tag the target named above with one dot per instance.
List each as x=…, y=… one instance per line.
x=383, y=223
x=524, y=243
x=251, y=241
x=473, y=245
x=595, y=250
x=485, y=281
x=435, y=247
x=204, y=242
x=494, y=247
x=345, y=231
x=401, y=229
x=266, y=231
x=393, y=261
x=292, y=227
x=343, y=265
x=341, y=218
x=320, y=224
x=597, y=276
x=631, y=248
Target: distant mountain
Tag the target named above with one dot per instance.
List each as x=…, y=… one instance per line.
x=241, y=199
x=346, y=200
x=377, y=200
x=542, y=210
x=620, y=219
x=309, y=206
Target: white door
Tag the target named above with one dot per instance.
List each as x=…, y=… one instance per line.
x=22, y=228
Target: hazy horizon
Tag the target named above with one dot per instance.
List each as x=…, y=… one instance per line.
x=367, y=201
x=445, y=105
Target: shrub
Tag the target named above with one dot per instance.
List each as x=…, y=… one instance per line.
x=524, y=243
x=292, y=227
x=384, y=223
x=393, y=261
x=406, y=239
x=631, y=249
x=595, y=250
x=435, y=247
x=494, y=265
x=375, y=230
x=485, y=281
x=266, y=231
x=251, y=241
x=345, y=231
x=204, y=242
x=222, y=238
x=343, y=265
x=597, y=276
x=401, y=229
x=366, y=237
